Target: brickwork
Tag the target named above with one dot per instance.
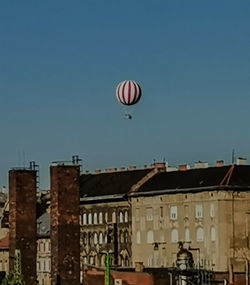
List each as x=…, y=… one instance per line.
x=22, y=221
x=65, y=230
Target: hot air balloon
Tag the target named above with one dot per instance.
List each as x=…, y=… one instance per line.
x=128, y=93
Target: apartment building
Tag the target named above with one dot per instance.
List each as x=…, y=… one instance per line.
x=206, y=208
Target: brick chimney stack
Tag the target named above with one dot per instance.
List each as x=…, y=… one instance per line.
x=22, y=221
x=65, y=228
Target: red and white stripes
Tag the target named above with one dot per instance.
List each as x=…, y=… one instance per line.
x=128, y=92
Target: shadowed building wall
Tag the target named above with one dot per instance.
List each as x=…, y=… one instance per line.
x=22, y=221
x=65, y=230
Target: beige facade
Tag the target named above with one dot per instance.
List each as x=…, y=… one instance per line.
x=43, y=261
x=4, y=260
x=213, y=223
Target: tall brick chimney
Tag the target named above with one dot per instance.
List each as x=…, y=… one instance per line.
x=65, y=228
x=22, y=221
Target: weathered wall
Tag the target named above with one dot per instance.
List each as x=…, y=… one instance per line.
x=65, y=231
x=22, y=221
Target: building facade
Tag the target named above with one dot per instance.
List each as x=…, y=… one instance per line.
x=207, y=209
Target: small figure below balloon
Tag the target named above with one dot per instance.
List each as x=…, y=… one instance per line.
x=128, y=116
x=128, y=93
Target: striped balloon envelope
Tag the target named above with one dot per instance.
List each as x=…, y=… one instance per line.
x=128, y=92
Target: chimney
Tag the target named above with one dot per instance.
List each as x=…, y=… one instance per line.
x=97, y=171
x=200, y=164
x=183, y=167
x=110, y=170
x=145, y=166
x=87, y=172
x=65, y=228
x=241, y=161
x=159, y=165
x=219, y=163
x=22, y=221
x=122, y=169
x=131, y=168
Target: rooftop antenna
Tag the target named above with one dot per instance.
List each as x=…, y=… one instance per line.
x=233, y=156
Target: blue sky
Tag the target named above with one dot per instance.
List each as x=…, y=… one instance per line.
x=60, y=62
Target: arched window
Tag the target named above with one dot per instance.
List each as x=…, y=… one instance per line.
x=90, y=238
x=106, y=217
x=212, y=234
x=47, y=246
x=84, y=219
x=187, y=234
x=126, y=217
x=84, y=238
x=95, y=218
x=100, y=238
x=113, y=217
x=95, y=238
x=121, y=217
x=100, y=218
x=150, y=237
x=212, y=210
x=200, y=234
x=121, y=237
x=174, y=235
x=125, y=237
x=138, y=237
x=90, y=219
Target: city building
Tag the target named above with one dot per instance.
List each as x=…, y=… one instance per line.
x=205, y=208
x=105, y=213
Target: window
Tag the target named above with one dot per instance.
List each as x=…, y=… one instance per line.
x=80, y=219
x=150, y=261
x=150, y=237
x=212, y=234
x=84, y=219
x=174, y=235
x=137, y=215
x=138, y=237
x=126, y=217
x=95, y=218
x=47, y=265
x=84, y=238
x=113, y=217
x=121, y=237
x=90, y=219
x=106, y=217
x=149, y=214
x=121, y=217
x=100, y=238
x=173, y=213
x=187, y=234
x=125, y=237
x=85, y=260
x=200, y=234
x=47, y=246
x=198, y=211
x=161, y=212
x=212, y=211
x=100, y=218
x=95, y=238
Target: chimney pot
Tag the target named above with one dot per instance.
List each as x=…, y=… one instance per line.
x=219, y=163
x=131, y=168
x=183, y=167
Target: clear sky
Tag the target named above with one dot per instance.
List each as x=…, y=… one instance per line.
x=60, y=62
